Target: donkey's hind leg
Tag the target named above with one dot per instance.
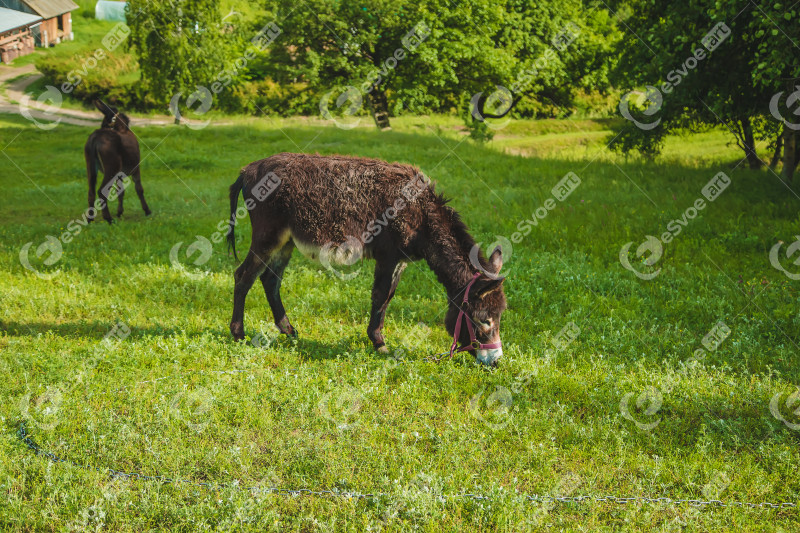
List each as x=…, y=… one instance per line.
x=271, y=280
x=258, y=257
x=137, y=182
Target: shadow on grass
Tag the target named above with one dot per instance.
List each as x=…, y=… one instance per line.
x=308, y=349
x=82, y=330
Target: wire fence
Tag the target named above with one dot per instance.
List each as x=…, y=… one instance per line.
x=25, y=438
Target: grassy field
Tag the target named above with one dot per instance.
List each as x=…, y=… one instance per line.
x=117, y=356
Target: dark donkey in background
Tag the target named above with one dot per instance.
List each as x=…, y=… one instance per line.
x=115, y=149
x=313, y=202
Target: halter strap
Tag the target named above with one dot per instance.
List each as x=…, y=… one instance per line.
x=473, y=341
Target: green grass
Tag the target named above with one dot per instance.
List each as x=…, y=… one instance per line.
x=325, y=411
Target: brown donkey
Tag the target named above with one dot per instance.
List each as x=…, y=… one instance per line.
x=335, y=208
x=115, y=149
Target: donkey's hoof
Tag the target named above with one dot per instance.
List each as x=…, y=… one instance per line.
x=291, y=333
x=383, y=350
x=147, y=213
x=237, y=330
x=286, y=328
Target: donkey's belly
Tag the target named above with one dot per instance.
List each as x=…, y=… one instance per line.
x=310, y=250
x=331, y=253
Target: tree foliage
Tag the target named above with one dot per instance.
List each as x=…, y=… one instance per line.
x=183, y=46
x=698, y=82
x=469, y=47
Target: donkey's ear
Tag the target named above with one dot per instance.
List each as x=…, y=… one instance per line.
x=104, y=108
x=496, y=260
x=484, y=286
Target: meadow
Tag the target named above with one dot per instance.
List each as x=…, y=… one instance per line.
x=117, y=354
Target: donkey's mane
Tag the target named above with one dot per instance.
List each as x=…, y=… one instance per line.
x=464, y=241
x=459, y=228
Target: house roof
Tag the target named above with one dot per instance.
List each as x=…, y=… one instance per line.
x=51, y=8
x=11, y=20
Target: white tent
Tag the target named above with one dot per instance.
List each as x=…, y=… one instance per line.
x=106, y=10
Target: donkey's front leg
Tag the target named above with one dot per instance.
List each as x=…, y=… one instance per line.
x=137, y=183
x=120, y=198
x=103, y=196
x=387, y=275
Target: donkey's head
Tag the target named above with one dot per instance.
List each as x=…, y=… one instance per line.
x=485, y=303
x=112, y=118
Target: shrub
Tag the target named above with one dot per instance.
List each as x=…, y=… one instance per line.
x=115, y=78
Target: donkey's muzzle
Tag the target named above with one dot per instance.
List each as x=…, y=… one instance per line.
x=489, y=357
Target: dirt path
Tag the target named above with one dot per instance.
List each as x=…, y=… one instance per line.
x=13, y=100
x=12, y=72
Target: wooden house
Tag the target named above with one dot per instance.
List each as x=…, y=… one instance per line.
x=56, y=25
x=16, y=36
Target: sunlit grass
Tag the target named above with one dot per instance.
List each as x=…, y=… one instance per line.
x=325, y=411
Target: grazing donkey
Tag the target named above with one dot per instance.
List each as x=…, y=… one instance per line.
x=115, y=149
x=318, y=203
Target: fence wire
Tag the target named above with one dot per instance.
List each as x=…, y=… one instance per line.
x=26, y=439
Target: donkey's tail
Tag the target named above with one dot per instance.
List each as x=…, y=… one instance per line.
x=235, y=189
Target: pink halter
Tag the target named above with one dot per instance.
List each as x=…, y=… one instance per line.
x=473, y=344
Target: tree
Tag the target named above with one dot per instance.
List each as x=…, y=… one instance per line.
x=564, y=48
x=364, y=50
x=707, y=63
x=430, y=56
x=183, y=48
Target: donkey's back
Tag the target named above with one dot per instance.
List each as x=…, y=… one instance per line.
x=333, y=199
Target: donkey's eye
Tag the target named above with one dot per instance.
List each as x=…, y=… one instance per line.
x=486, y=324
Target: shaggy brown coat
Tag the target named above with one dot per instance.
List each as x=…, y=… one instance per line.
x=389, y=209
